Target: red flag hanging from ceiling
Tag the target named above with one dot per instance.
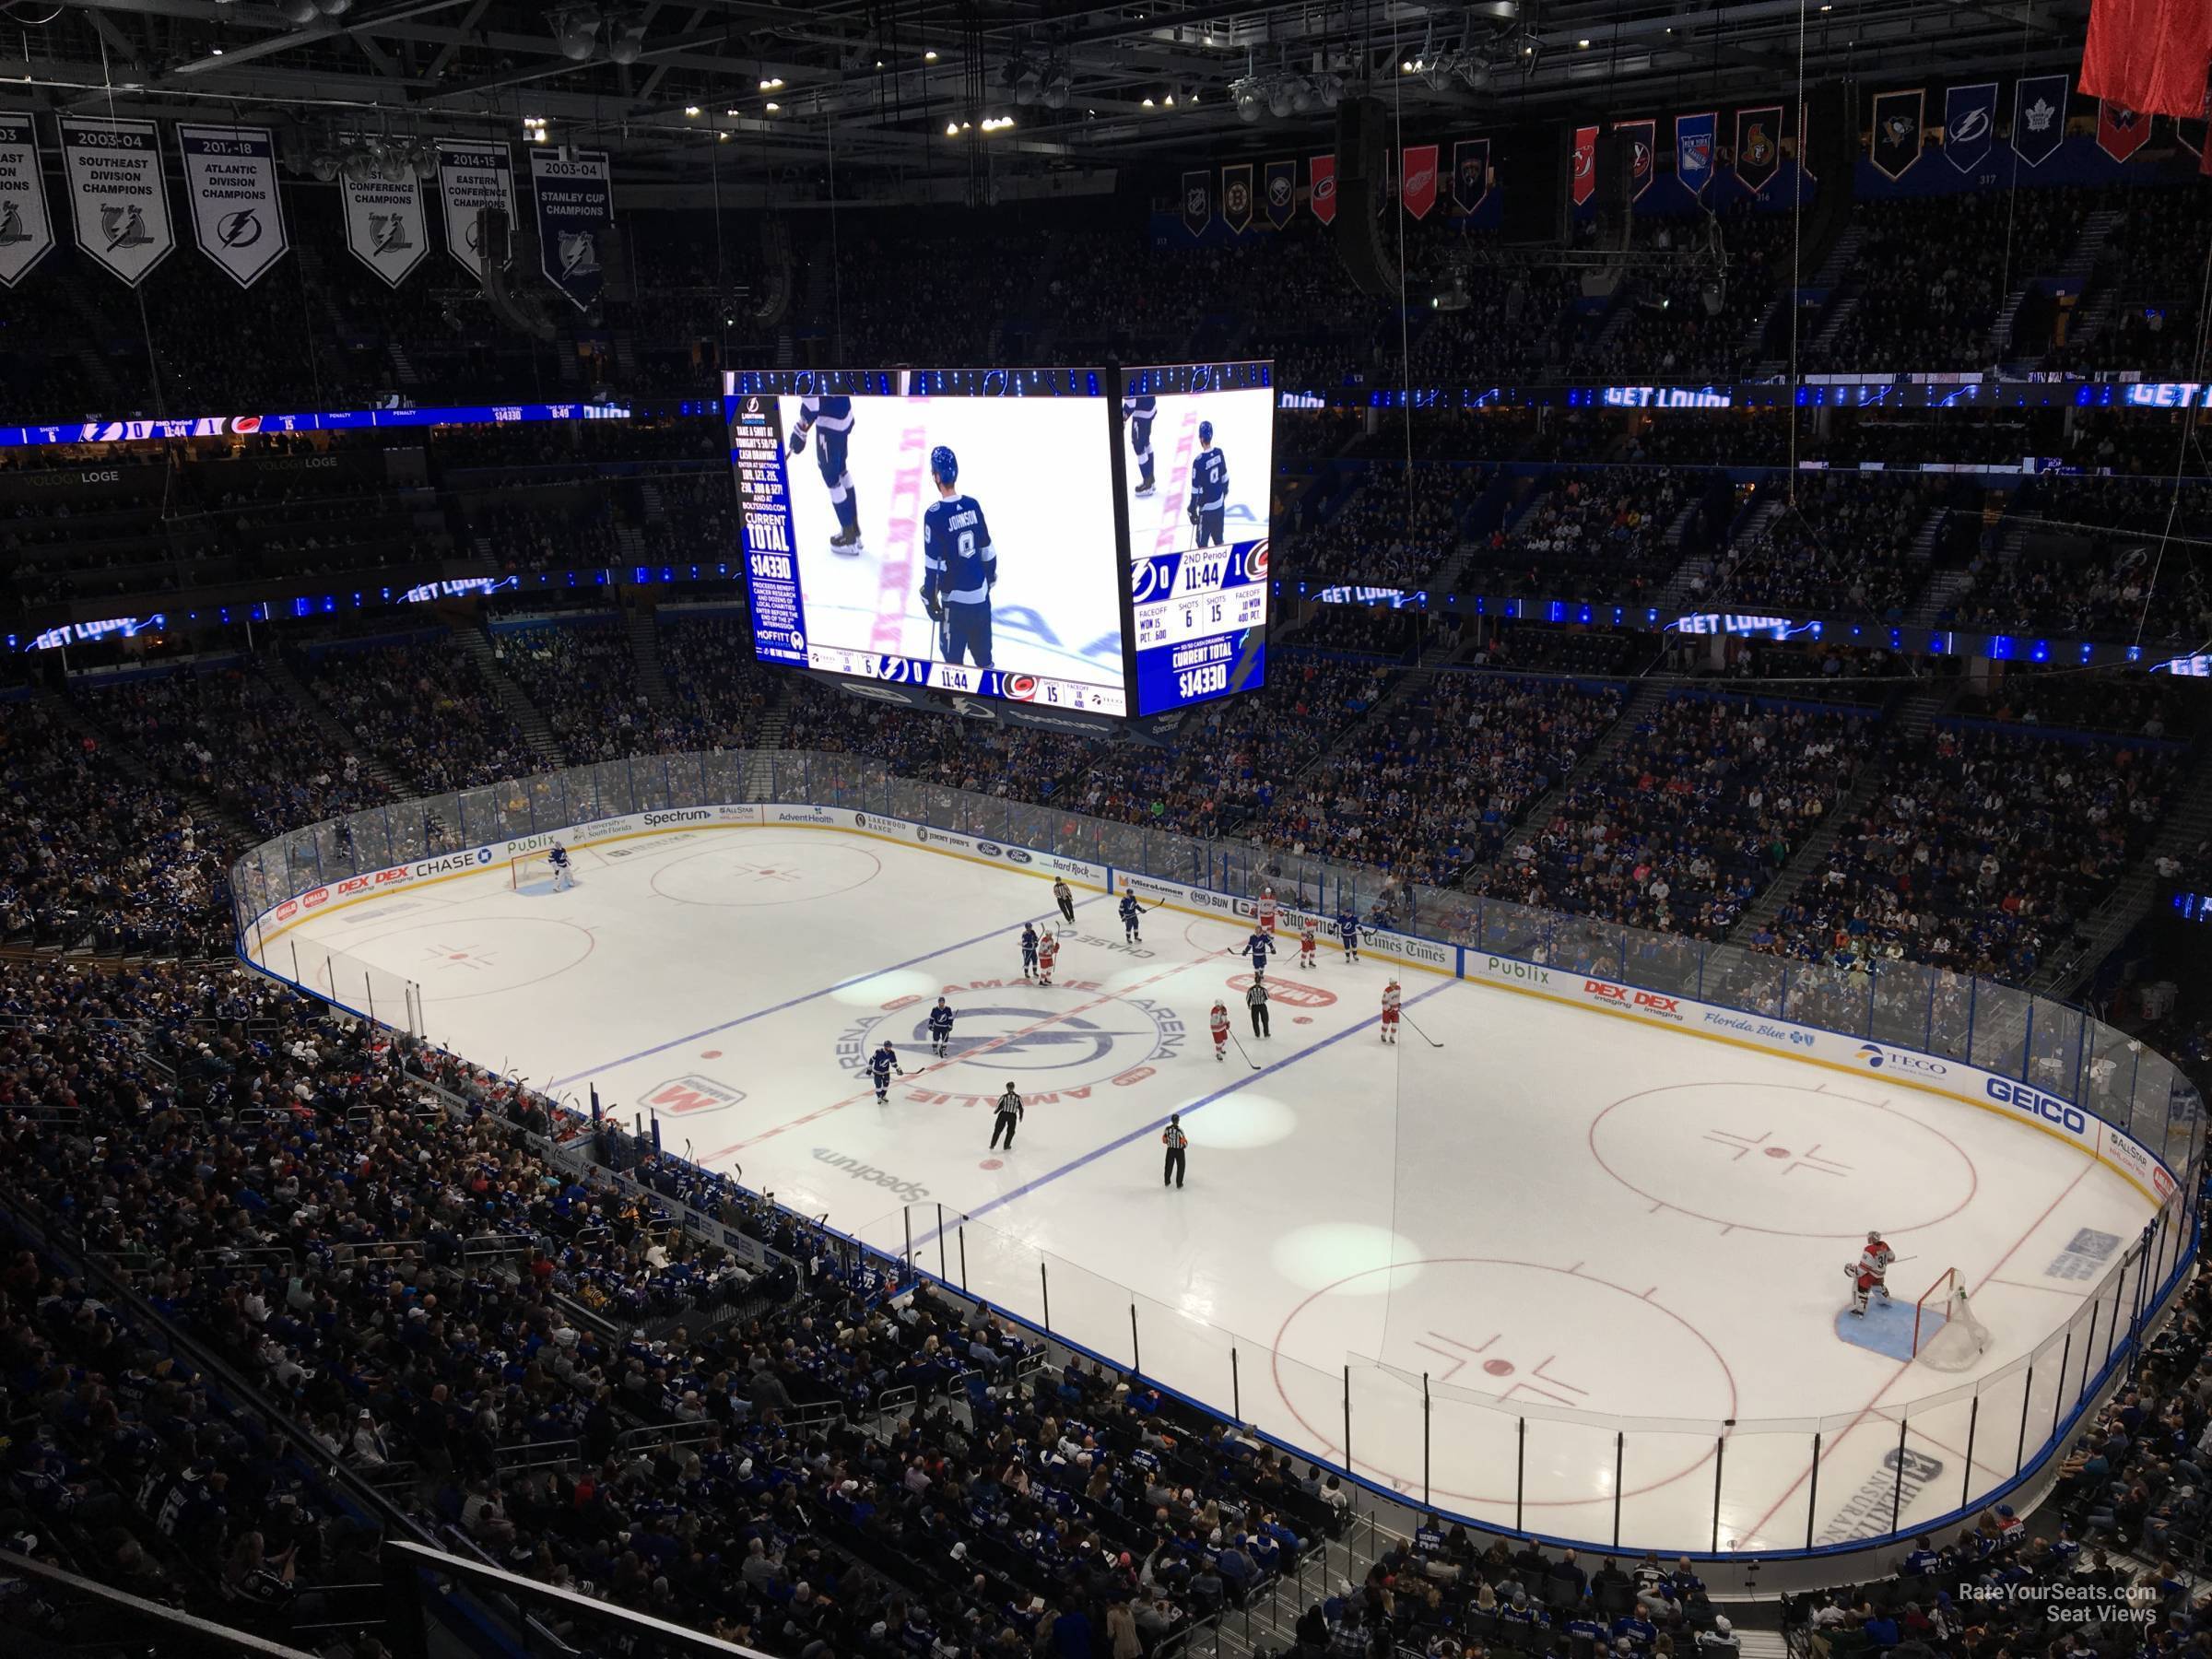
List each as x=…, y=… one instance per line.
x=2150, y=55
x=1417, y=179
x=1584, y=183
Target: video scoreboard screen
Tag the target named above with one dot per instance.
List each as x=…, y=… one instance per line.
x=1198, y=479
x=951, y=529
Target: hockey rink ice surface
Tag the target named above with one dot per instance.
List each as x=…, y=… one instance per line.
x=1558, y=1217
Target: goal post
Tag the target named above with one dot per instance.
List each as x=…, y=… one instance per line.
x=527, y=867
x=1947, y=1334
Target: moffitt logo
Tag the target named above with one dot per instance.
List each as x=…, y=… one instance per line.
x=1650, y=1002
x=2033, y=1101
x=690, y=1095
x=1874, y=1057
x=654, y=820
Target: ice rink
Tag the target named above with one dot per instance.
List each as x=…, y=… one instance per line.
x=1562, y=1219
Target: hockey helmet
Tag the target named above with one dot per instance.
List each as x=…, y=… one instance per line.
x=1205, y=431
x=944, y=466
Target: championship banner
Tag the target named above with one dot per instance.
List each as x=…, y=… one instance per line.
x=1898, y=122
x=1470, y=174
x=1417, y=179
x=575, y=198
x=1235, y=197
x=1321, y=176
x=1282, y=192
x=472, y=177
x=117, y=200
x=1197, y=202
x=1582, y=184
x=2038, y=117
x=26, y=228
x=1970, y=124
x=1641, y=135
x=385, y=226
x=230, y=176
x=1693, y=151
x=2121, y=131
x=1758, y=146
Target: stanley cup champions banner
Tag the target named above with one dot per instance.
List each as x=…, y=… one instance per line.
x=26, y=228
x=385, y=228
x=575, y=214
x=472, y=177
x=231, y=175
x=118, y=201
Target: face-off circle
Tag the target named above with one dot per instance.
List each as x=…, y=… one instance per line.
x=463, y=957
x=742, y=872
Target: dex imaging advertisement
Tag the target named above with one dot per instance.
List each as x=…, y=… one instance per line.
x=1200, y=456
x=950, y=528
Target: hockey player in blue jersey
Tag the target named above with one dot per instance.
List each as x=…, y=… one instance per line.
x=1140, y=412
x=831, y=422
x=1131, y=913
x=1348, y=932
x=558, y=857
x=1029, y=950
x=940, y=1027
x=1257, y=948
x=959, y=566
x=881, y=1064
x=1209, y=488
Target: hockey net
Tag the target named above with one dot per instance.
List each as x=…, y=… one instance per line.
x=525, y=869
x=1947, y=1334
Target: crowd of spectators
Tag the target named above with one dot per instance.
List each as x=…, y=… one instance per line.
x=2094, y=560
x=1390, y=531
x=1841, y=544
x=583, y=677
x=1595, y=533
x=423, y=709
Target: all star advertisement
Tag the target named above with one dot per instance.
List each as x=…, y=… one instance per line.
x=472, y=177
x=118, y=201
x=944, y=528
x=575, y=211
x=1200, y=452
x=230, y=176
x=26, y=228
x=386, y=229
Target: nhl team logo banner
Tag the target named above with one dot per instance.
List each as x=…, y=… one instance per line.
x=472, y=177
x=1898, y=119
x=1470, y=174
x=1235, y=197
x=575, y=198
x=1197, y=202
x=2121, y=131
x=117, y=200
x=26, y=228
x=231, y=175
x=1321, y=176
x=385, y=228
x=2038, y=117
x=1758, y=146
x=1693, y=151
x=1282, y=192
x=1640, y=136
x=1970, y=124
x=1417, y=179
x=1583, y=183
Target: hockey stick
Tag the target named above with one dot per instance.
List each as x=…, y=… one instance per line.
x=1247, y=1058
x=1424, y=1036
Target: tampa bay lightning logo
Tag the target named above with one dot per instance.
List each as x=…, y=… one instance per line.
x=240, y=230
x=1071, y=1037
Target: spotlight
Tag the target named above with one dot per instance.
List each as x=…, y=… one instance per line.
x=1026, y=84
x=335, y=8
x=576, y=32
x=1248, y=108
x=297, y=11
x=1055, y=88
x=626, y=40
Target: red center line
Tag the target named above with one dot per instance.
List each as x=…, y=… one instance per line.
x=1829, y=1449
x=869, y=1092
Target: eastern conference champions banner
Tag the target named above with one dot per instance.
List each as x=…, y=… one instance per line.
x=230, y=176
x=575, y=210
x=26, y=228
x=472, y=177
x=118, y=201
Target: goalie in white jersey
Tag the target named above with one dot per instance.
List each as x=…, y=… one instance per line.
x=1869, y=1273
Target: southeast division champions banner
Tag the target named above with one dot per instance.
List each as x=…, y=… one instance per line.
x=472, y=177
x=118, y=201
x=230, y=177
x=26, y=228
x=575, y=198
x=1970, y=124
x=385, y=227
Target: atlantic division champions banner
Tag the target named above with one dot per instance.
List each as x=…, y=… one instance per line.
x=231, y=175
x=26, y=228
x=472, y=177
x=118, y=201
x=385, y=226
x=575, y=214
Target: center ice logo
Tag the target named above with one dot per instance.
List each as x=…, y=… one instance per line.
x=1067, y=1040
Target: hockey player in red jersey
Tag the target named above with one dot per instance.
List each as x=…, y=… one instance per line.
x=1390, y=1012
x=1305, y=945
x=1267, y=910
x=1869, y=1273
x=1048, y=952
x=1219, y=1025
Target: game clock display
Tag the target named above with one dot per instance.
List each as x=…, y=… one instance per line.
x=1198, y=468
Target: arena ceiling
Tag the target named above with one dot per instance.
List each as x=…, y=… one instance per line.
x=663, y=82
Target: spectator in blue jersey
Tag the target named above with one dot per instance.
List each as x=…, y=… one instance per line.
x=959, y=566
x=831, y=419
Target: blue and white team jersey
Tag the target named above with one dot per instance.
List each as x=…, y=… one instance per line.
x=958, y=563
x=1209, y=481
x=1348, y=925
x=828, y=414
x=1139, y=406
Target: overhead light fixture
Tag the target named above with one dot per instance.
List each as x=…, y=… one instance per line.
x=952, y=129
x=214, y=51
x=1056, y=85
x=929, y=57
x=1148, y=100
x=576, y=32
x=297, y=11
x=334, y=8
x=774, y=106
x=1583, y=44
x=692, y=111
x=626, y=39
x=774, y=83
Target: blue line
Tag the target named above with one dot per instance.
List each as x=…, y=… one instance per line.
x=1142, y=1130
x=731, y=1025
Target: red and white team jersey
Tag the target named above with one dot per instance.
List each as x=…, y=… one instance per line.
x=1305, y=940
x=1267, y=911
x=1048, y=948
x=1874, y=1262
x=1390, y=1005
x=1220, y=1026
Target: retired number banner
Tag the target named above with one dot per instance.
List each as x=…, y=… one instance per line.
x=26, y=228
x=231, y=175
x=117, y=200
x=575, y=212
x=472, y=177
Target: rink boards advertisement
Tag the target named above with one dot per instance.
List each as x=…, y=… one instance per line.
x=952, y=529
x=1955, y=1079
